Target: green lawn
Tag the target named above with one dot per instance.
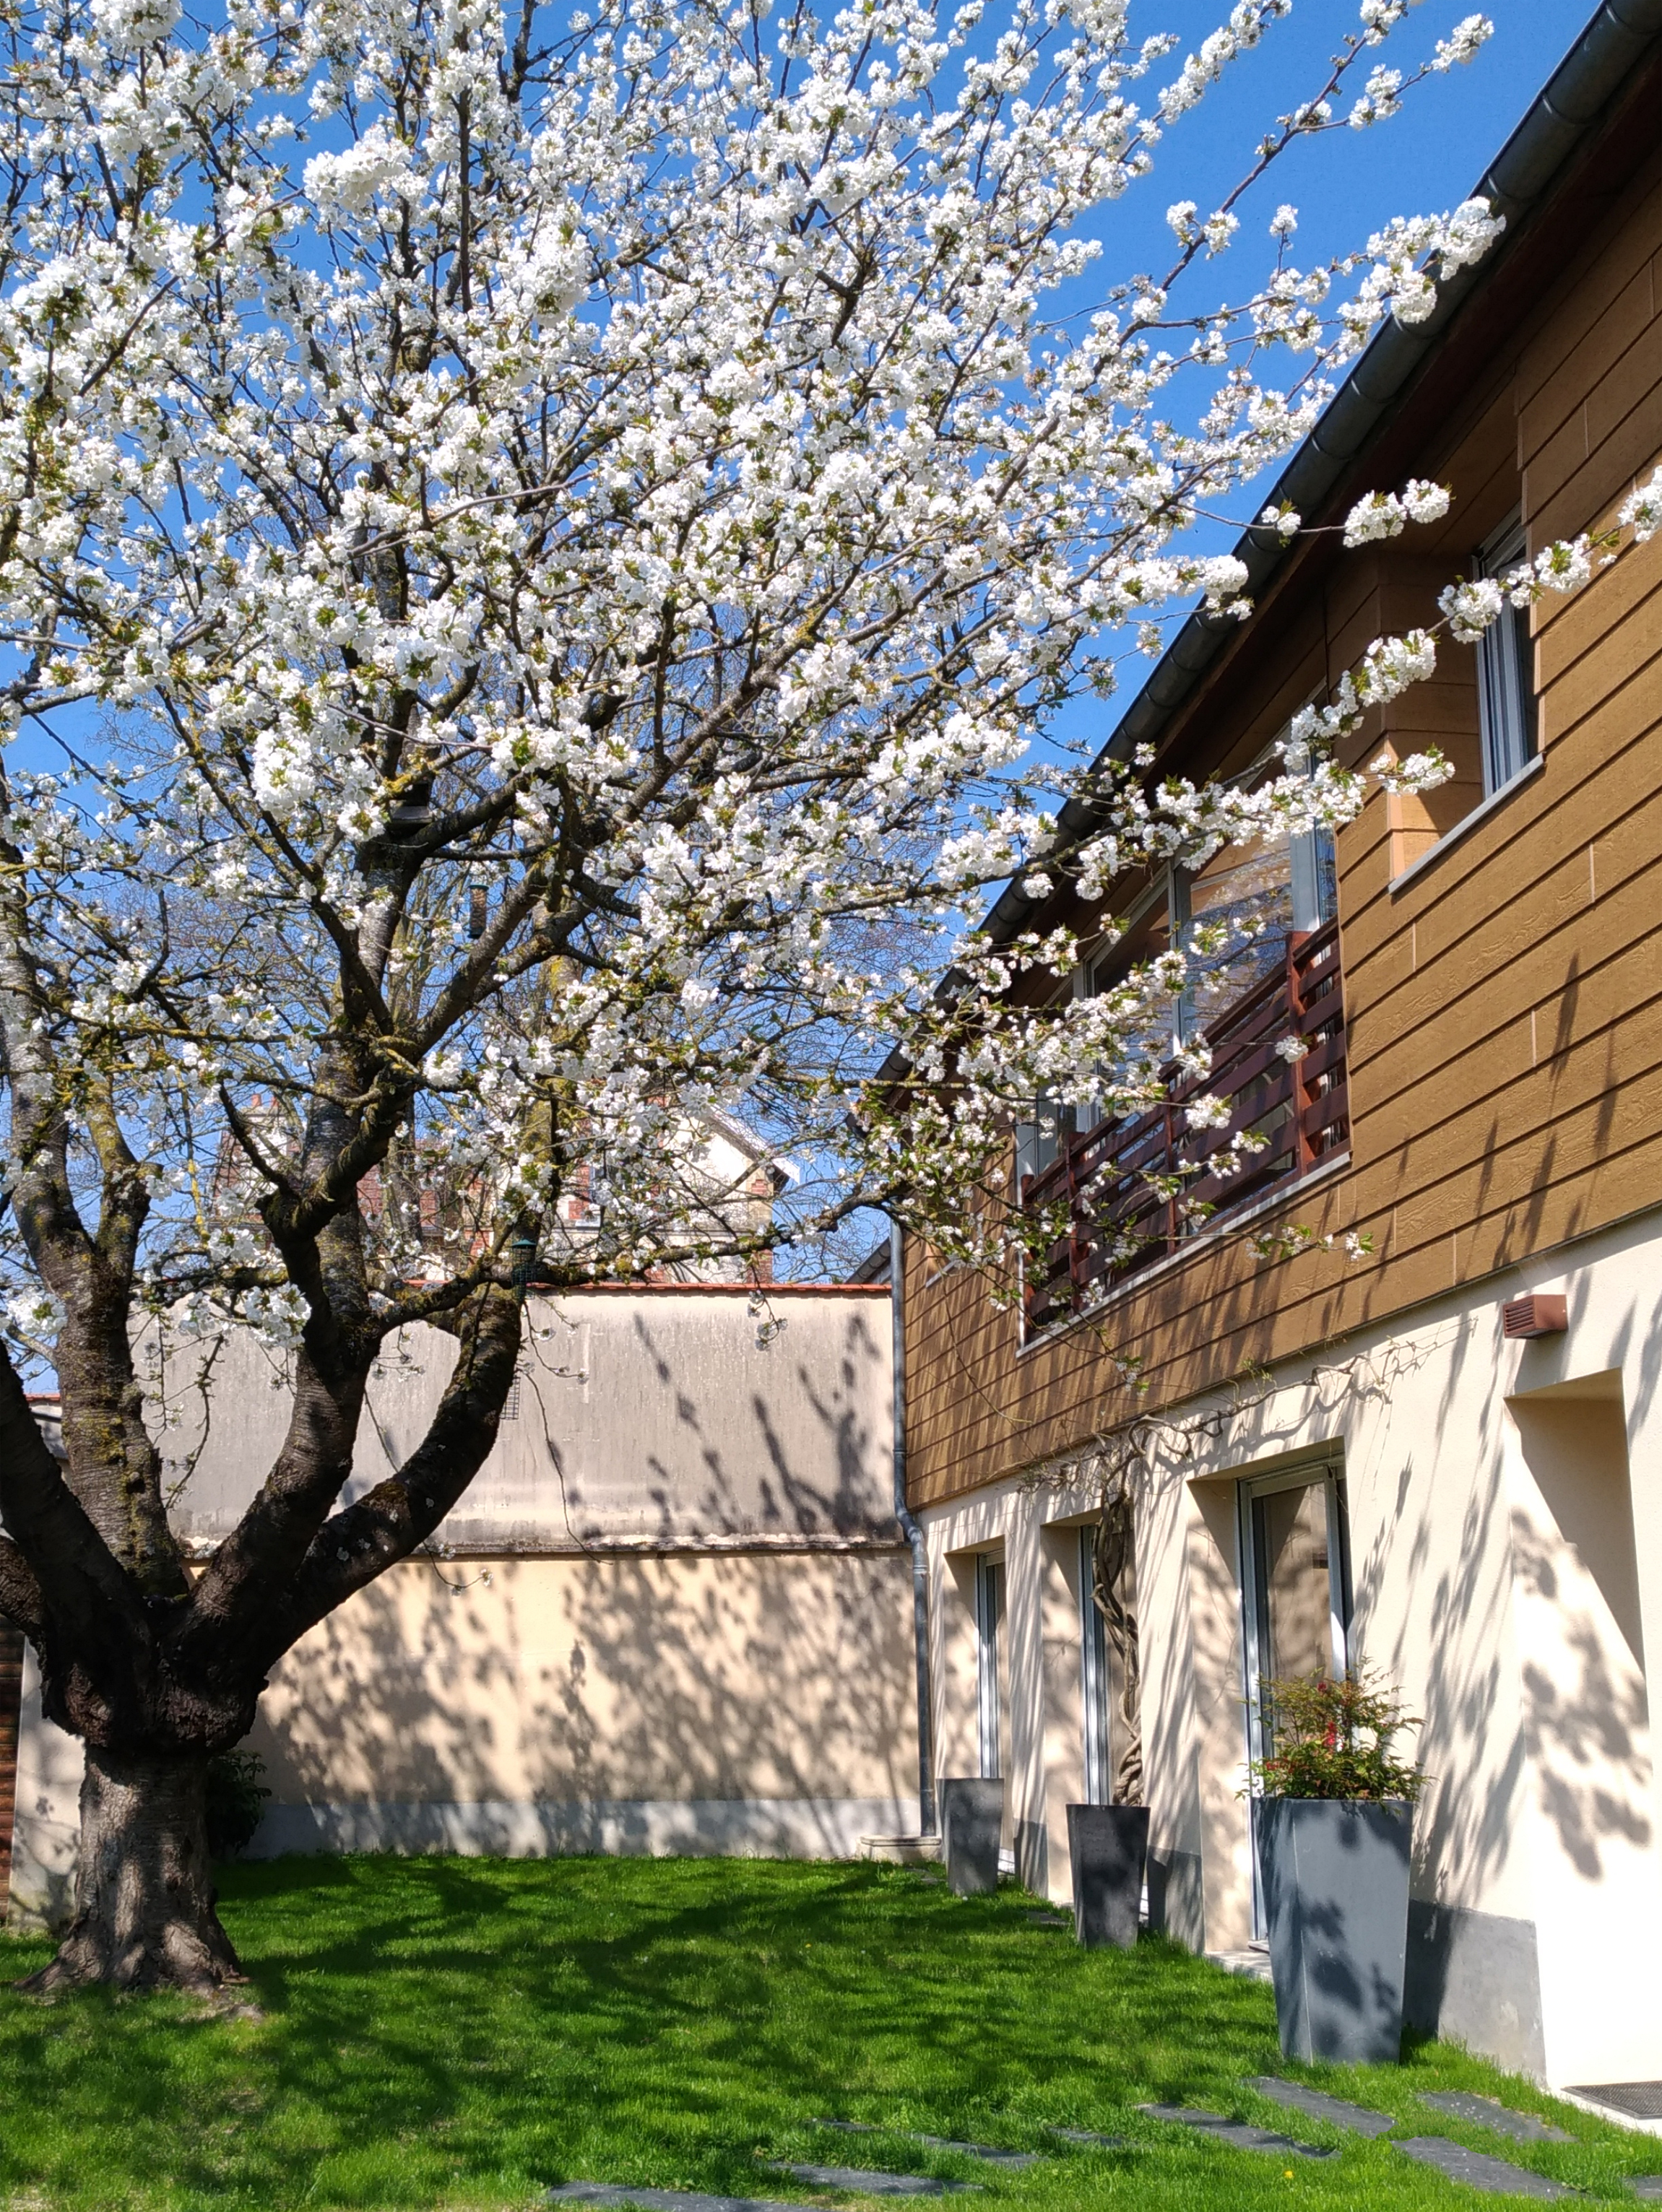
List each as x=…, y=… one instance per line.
x=450, y=2032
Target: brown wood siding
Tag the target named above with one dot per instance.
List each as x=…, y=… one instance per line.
x=1505, y=1003
x=11, y=1693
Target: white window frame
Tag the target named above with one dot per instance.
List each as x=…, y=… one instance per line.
x=1505, y=688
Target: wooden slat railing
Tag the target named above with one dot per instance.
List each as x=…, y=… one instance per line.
x=1119, y=1225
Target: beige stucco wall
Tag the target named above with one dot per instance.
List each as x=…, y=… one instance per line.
x=673, y=1612
x=1505, y=1513
x=47, y=1823
x=744, y=1700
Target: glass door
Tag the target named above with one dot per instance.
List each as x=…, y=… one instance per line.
x=1295, y=1589
x=990, y=1610
x=1093, y=1652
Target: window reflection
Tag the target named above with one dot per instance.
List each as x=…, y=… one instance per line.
x=1039, y=1142
x=1245, y=896
x=1506, y=671
x=1146, y=937
x=1234, y=919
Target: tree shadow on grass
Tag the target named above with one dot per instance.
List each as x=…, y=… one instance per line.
x=441, y=2026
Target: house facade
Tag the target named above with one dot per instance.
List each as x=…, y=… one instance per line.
x=672, y=1613
x=1441, y=1460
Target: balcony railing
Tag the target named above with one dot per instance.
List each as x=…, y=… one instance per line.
x=1300, y=1106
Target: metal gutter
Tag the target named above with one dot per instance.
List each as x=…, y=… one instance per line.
x=1619, y=37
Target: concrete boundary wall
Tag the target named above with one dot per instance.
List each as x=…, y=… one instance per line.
x=46, y=1825
x=672, y=1613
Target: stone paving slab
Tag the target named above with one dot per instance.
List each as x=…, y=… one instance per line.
x=1488, y=2112
x=662, y=2200
x=1016, y=2160
x=1236, y=2133
x=1498, y=2176
x=870, y=2182
x=1646, y=2186
x=1088, y=2136
x=1299, y=2097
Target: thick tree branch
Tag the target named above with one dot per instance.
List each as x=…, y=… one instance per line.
x=73, y=1571
x=233, y=1602
x=360, y=1542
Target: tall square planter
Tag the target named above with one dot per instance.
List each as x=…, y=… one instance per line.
x=1108, y=1849
x=1335, y=1875
x=972, y=1819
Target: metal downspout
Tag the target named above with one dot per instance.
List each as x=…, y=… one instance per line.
x=914, y=1536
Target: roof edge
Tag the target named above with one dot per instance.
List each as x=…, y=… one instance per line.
x=1622, y=34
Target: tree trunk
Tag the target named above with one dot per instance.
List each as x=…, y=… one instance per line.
x=144, y=1915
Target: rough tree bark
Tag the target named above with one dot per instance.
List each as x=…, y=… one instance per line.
x=144, y=1895
x=1113, y=1591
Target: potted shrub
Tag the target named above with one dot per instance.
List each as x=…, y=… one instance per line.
x=1335, y=1819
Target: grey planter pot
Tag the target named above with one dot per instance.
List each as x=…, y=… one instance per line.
x=971, y=1815
x=1335, y=1896
x=1108, y=1848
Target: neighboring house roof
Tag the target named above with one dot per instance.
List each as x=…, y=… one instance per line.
x=746, y=1141
x=873, y=1269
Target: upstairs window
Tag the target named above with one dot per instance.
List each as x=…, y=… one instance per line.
x=1247, y=903
x=1252, y=900
x=1039, y=1142
x=1506, y=671
x=1260, y=896
x=1479, y=709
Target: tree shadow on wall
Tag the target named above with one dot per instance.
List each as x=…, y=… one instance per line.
x=610, y=1682
x=728, y=1462
x=751, y=1676
x=1575, y=1746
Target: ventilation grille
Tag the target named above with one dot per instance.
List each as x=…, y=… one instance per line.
x=1544, y=1315
x=1640, y=2101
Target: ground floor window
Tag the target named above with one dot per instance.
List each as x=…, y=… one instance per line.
x=1093, y=1644
x=989, y=1622
x=1295, y=1591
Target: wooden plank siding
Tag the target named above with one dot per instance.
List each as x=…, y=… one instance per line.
x=11, y=1693
x=1505, y=1001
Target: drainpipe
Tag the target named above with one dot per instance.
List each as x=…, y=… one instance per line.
x=914, y=1536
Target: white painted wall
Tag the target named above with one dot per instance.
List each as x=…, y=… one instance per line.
x=1505, y=1509
x=47, y=1822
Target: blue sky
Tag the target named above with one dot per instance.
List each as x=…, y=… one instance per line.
x=1344, y=182
x=1348, y=181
